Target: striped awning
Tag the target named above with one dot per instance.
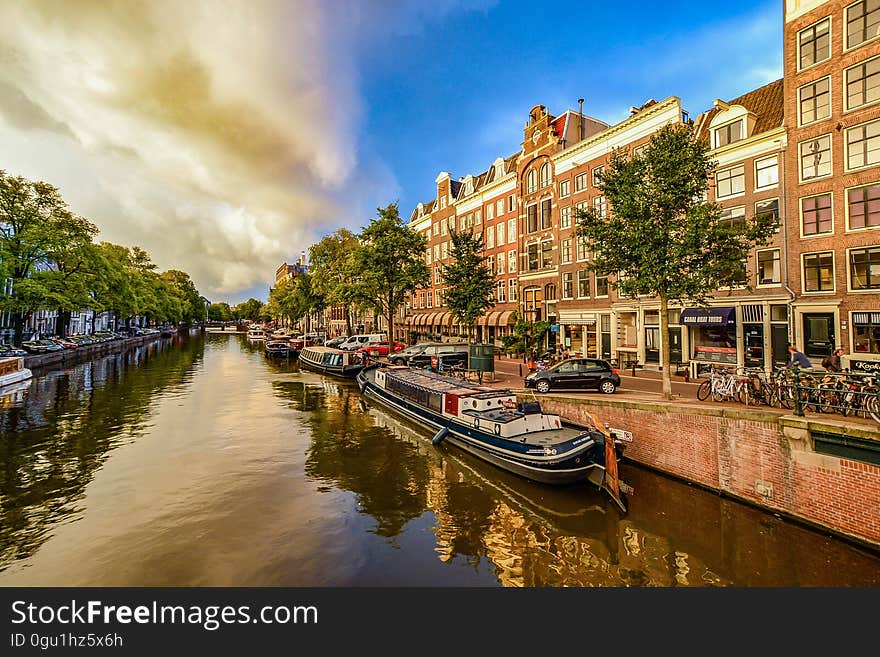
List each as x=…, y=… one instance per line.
x=410, y=319
x=443, y=318
x=504, y=318
x=429, y=320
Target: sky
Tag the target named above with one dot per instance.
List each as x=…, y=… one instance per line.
x=227, y=136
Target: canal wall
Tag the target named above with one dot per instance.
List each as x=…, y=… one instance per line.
x=824, y=472
x=85, y=352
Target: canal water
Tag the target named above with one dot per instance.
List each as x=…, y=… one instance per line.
x=198, y=462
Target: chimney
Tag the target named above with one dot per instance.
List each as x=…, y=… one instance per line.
x=581, y=117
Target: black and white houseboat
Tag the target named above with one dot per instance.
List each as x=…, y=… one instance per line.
x=280, y=348
x=490, y=424
x=329, y=360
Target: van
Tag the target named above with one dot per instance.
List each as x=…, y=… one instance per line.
x=357, y=341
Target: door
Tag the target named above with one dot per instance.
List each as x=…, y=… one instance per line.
x=675, y=355
x=590, y=373
x=565, y=375
x=779, y=344
x=754, y=343
x=818, y=334
x=652, y=344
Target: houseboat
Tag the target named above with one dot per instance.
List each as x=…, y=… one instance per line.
x=12, y=370
x=490, y=424
x=329, y=360
x=256, y=334
x=282, y=348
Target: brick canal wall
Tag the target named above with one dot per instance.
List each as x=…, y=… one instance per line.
x=767, y=459
x=85, y=353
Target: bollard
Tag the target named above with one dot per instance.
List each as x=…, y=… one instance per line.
x=520, y=369
x=798, y=403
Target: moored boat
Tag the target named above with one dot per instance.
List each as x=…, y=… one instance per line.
x=329, y=360
x=490, y=424
x=12, y=370
x=256, y=334
x=281, y=348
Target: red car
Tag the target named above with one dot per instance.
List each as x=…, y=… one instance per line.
x=380, y=348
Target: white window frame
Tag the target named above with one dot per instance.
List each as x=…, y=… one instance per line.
x=846, y=106
x=801, y=215
x=717, y=129
x=846, y=191
x=797, y=43
x=846, y=47
x=511, y=230
x=734, y=194
x=800, y=100
x=758, y=268
x=511, y=261
x=565, y=218
x=833, y=290
x=570, y=284
x=774, y=185
x=846, y=132
x=830, y=156
x=564, y=188
x=849, y=287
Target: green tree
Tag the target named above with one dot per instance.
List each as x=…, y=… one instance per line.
x=331, y=270
x=659, y=237
x=389, y=264
x=183, y=291
x=39, y=234
x=250, y=309
x=524, y=336
x=220, y=312
x=468, y=281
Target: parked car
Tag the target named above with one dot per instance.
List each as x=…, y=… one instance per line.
x=65, y=343
x=440, y=353
x=355, y=342
x=43, y=346
x=402, y=357
x=381, y=348
x=576, y=374
x=335, y=342
x=9, y=350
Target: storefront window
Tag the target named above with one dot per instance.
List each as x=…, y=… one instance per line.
x=866, y=333
x=714, y=343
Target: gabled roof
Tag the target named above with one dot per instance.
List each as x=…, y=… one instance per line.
x=766, y=103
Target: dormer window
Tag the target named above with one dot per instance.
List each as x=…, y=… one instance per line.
x=728, y=134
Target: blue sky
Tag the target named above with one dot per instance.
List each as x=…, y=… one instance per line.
x=225, y=139
x=453, y=93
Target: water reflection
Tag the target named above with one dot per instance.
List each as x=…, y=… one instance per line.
x=204, y=463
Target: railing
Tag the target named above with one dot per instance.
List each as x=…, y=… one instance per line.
x=796, y=389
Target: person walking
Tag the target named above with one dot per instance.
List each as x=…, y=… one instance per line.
x=798, y=359
x=832, y=363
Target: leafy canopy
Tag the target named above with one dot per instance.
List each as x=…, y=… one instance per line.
x=468, y=280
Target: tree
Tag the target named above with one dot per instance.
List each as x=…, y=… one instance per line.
x=331, y=270
x=659, y=237
x=219, y=312
x=524, y=335
x=468, y=282
x=389, y=264
x=38, y=232
x=250, y=309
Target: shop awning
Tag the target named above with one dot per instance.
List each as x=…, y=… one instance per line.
x=504, y=318
x=409, y=319
x=420, y=319
x=488, y=319
x=443, y=319
x=432, y=319
x=718, y=316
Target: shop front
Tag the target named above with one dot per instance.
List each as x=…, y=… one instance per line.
x=712, y=333
x=578, y=332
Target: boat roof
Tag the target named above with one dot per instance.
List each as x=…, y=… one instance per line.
x=445, y=384
x=324, y=350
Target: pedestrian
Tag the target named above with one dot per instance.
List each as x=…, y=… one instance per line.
x=798, y=359
x=832, y=363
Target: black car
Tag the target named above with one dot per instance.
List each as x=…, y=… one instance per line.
x=575, y=374
x=435, y=354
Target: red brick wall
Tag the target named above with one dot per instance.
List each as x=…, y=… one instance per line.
x=732, y=454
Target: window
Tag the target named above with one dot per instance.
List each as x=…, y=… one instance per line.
x=500, y=294
x=462, y=223
x=816, y=215
x=863, y=145
x=511, y=203
x=567, y=285
x=490, y=212
x=564, y=188
x=430, y=303
x=601, y=286
x=730, y=181
x=490, y=238
x=511, y=289
x=565, y=217
x=598, y=172
x=863, y=83
x=444, y=228
x=499, y=207
x=478, y=217
x=500, y=237
x=545, y=175
x=814, y=101
x=499, y=264
x=583, y=283
x=866, y=333
x=769, y=271
x=819, y=272
x=863, y=207
x=728, y=134
x=532, y=254
x=814, y=44
x=546, y=220
x=600, y=206
x=532, y=218
x=436, y=252
x=428, y=256
x=816, y=157
x=580, y=182
x=734, y=216
x=444, y=250
x=582, y=248
x=438, y=272
x=864, y=269
x=547, y=253
x=511, y=231
x=490, y=264
x=511, y=261
x=770, y=205
x=531, y=181
x=862, y=22
x=767, y=172
x=565, y=258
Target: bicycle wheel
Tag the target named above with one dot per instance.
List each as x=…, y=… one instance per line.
x=872, y=404
x=704, y=390
x=718, y=391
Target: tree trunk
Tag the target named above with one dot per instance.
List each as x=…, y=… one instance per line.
x=18, y=328
x=348, y=319
x=664, y=348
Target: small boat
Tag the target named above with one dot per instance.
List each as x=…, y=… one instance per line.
x=280, y=348
x=12, y=370
x=329, y=360
x=490, y=424
x=256, y=334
